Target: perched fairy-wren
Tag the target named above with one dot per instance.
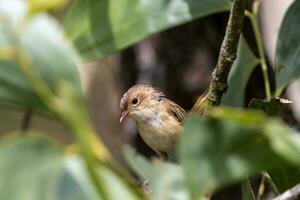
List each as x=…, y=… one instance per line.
x=158, y=119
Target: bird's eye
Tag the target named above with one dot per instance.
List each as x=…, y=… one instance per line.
x=134, y=101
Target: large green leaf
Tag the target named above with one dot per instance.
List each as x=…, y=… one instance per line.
x=227, y=147
x=288, y=145
x=34, y=168
x=111, y=182
x=166, y=180
x=99, y=28
x=38, y=43
x=288, y=48
x=239, y=75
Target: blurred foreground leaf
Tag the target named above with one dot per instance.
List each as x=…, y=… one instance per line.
x=288, y=48
x=45, y=5
x=239, y=75
x=222, y=149
x=35, y=43
x=34, y=168
x=166, y=179
x=40, y=72
x=285, y=178
x=99, y=28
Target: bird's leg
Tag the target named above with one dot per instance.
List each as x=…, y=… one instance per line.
x=146, y=188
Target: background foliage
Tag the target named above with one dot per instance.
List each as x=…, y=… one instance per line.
x=39, y=72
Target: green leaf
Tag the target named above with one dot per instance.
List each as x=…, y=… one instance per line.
x=219, y=150
x=247, y=191
x=284, y=141
x=37, y=44
x=100, y=28
x=166, y=179
x=239, y=75
x=288, y=49
x=247, y=117
x=35, y=168
x=114, y=185
x=45, y=5
x=285, y=179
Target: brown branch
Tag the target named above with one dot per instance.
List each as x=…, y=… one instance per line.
x=291, y=194
x=228, y=51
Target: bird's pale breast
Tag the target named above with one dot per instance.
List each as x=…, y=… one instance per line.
x=160, y=132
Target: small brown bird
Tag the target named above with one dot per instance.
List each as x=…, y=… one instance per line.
x=158, y=119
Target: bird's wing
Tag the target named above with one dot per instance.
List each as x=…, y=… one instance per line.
x=175, y=110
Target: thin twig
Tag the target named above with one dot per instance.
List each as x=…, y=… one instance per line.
x=261, y=189
x=228, y=51
x=256, y=28
x=266, y=179
x=272, y=185
x=26, y=119
x=291, y=194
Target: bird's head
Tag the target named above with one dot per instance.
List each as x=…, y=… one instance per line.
x=139, y=102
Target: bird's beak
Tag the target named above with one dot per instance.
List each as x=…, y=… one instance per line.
x=123, y=115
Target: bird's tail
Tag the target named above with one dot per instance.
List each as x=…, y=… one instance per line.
x=200, y=105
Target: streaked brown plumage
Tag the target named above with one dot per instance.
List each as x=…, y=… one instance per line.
x=158, y=118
